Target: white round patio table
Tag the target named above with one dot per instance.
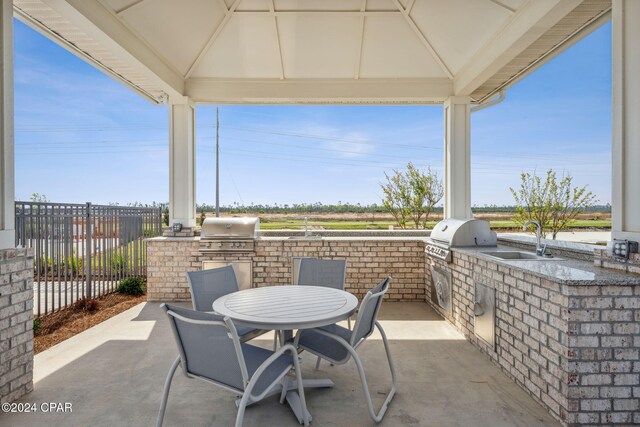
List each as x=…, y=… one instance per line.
x=284, y=308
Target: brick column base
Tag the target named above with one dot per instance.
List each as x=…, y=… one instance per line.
x=16, y=323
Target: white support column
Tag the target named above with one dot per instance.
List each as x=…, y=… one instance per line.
x=457, y=157
x=182, y=165
x=625, y=195
x=7, y=162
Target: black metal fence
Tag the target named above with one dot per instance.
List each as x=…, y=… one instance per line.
x=83, y=250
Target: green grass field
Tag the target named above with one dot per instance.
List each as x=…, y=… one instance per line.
x=294, y=224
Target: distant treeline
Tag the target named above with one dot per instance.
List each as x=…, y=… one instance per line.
x=347, y=208
x=295, y=208
x=334, y=208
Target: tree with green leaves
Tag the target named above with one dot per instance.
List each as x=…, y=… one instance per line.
x=37, y=197
x=552, y=202
x=411, y=195
x=165, y=216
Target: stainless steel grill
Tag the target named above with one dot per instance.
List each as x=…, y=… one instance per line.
x=229, y=234
x=458, y=233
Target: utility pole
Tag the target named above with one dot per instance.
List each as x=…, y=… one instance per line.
x=217, y=163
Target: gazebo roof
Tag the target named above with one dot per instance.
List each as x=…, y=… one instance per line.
x=315, y=51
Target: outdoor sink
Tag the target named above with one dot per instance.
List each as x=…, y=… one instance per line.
x=305, y=237
x=519, y=256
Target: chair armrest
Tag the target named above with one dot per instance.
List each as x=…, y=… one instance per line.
x=334, y=336
x=263, y=367
x=350, y=348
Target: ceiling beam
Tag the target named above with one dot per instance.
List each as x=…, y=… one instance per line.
x=524, y=27
x=409, y=7
x=349, y=13
x=104, y=28
x=223, y=5
x=502, y=5
x=423, y=39
x=277, y=31
x=363, y=7
x=319, y=91
x=228, y=15
x=130, y=6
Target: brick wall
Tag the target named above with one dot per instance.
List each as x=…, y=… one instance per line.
x=604, y=354
x=369, y=261
x=573, y=348
x=16, y=323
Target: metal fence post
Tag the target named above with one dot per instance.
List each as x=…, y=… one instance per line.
x=87, y=252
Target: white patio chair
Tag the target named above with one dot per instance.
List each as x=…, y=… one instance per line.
x=206, y=286
x=338, y=344
x=210, y=349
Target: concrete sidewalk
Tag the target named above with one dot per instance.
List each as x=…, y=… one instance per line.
x=113, y=374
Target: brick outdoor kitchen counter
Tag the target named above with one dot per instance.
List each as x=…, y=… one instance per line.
x=568, y=332
x=369, y=261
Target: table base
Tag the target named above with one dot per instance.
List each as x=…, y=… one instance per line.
x=289, y=390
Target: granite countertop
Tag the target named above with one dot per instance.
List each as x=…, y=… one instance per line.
x=174, y=239
x=564, y=270
x=348, y=238
x=306, y=239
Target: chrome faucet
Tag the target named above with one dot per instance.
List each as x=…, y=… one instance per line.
x=540, y=250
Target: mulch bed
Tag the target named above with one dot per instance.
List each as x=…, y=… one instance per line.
x=84, y=314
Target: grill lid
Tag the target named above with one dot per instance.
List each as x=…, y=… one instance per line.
x=230, y=228
x=464, y=232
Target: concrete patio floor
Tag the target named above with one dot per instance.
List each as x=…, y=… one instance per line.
x=113, y=375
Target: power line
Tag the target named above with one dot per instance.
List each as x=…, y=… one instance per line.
x=271, y=132
x=313, y=148
x=330, y=138
x=54, y=129
x=130, y=149
x=90, y=142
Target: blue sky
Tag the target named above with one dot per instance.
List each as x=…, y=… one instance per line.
x=81, y=136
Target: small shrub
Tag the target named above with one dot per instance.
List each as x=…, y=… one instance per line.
x=148, y=232
x=74, y=264
x=132, y=286
x=165, y=216
x=87, y=305
x=118, y=262
x=37, y=326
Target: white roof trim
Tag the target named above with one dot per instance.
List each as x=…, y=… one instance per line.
x=522, y=36
x=318, y=91
x=527, y=25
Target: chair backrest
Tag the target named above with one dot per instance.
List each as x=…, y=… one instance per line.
x=209, y=347
x=329, y=273
x=209, y=285
x=368, y=312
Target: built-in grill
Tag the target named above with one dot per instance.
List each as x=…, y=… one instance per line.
x=458, y=233
x=229, y=234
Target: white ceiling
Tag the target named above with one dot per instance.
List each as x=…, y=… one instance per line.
x=306, y=39
x=290, y=51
